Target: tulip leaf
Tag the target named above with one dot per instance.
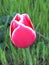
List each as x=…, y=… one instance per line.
x=3, y=20
x=3, y=45
x=2, y=33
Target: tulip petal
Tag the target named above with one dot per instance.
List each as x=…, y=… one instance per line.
x=23, y=37
x=27, y=21
x=17, y=17
x=13, y=26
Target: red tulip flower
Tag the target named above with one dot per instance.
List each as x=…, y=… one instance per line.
x=22, y=31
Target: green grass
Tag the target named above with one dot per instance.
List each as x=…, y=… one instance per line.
x=38, y=53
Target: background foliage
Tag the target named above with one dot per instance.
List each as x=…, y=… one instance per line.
x=38, y=53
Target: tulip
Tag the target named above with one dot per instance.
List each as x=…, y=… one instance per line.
x=22, y=32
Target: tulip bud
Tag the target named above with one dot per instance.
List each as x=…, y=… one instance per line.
x=22, y=31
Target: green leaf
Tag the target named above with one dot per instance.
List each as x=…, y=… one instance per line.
x=3, y=20
x=3, y=45
x=2, y=34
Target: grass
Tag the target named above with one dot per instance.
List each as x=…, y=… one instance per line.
x=38, y=53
